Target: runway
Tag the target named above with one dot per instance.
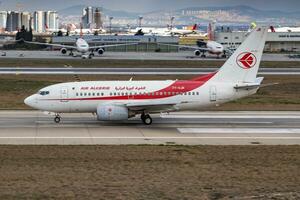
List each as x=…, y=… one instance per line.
x=133, y=71
x=184, y=128
x=182, y=55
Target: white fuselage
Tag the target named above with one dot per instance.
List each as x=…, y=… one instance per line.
x=82, y=46
x=85, y=97
x=214, y=47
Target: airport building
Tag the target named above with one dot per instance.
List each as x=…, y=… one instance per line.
x=144, y=43
x=51, y=20
x=26, y=20
x=3, y=18
x=13, y=22
x=91, y=18
x=276, y=41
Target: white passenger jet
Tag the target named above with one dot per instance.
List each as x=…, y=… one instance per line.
x=82, y=47
x=121, y=100
x=212, y=47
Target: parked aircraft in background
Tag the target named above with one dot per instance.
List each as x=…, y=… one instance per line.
x=121, y=100
x=164, y=31
x=82, y=47
x=210, y=46
x=7, y=40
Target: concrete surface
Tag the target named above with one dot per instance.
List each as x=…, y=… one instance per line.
x=186, y=128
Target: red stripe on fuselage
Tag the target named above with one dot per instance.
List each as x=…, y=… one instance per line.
x=177, y=88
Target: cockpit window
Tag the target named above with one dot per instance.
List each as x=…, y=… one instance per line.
x=83, y=45
x=44, y=93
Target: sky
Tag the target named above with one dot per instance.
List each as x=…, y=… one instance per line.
x=149, y=5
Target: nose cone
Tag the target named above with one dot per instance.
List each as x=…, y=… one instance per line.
x=30, y=101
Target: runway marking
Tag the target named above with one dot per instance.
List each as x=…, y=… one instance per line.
x=147, y=138
x=240, y=130
x=216, y=116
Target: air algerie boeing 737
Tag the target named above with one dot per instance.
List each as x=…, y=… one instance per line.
x=121, y=100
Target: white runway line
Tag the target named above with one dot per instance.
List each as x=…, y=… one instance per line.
x=147, y=138
x=240, y=130
x=217, y=116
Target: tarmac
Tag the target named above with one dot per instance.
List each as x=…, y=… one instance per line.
x=132, y=71
x=183, y=128
x=182, y=55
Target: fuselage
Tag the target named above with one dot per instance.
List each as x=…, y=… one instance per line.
x=85, y=97
x=215, y=47
x=82, y=46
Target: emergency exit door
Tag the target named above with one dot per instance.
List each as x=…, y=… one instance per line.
x=64, y=94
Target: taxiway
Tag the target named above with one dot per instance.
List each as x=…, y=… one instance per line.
x=182, y=55
x=133, y=71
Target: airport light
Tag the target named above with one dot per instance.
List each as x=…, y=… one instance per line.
x=110, y=24
x=140, y=21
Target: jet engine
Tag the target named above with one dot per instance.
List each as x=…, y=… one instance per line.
x=112, y=113
x=100, y=51
x=197, y=53
x=63, y=51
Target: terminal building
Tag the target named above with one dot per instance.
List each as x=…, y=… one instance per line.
x=276, y=41
x=145, y=43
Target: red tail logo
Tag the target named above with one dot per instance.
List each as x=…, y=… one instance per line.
x=246, y=60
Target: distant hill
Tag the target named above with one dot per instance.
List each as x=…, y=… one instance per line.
x=247, y=11
x=225, y=14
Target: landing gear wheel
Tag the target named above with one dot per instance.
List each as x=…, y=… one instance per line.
x=203, y=56
x=147, y=120
x=57, y=119
x=224, y=56
x=90, y=56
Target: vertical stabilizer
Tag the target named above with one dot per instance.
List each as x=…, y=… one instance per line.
x=243, y=64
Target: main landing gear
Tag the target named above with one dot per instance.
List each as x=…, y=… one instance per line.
x=147, y=120
x=57, y=119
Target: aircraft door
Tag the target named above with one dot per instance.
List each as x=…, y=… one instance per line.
x=64, y=95
x=213, y=93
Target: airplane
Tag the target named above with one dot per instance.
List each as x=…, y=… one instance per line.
x=164, y=31
x=82, y=47
x=121, y=100
x=210, y=46
x=8, y=40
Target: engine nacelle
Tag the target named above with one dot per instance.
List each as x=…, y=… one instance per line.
x=197, y=53
x=100, y=51
x=112, y=113
x=63, y=51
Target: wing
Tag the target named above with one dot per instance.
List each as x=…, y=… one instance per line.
x=112, y=45
x=186, y=47
x=52, y=45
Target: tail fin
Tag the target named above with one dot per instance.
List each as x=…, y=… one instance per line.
x=243, y=65
x=195, y=27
